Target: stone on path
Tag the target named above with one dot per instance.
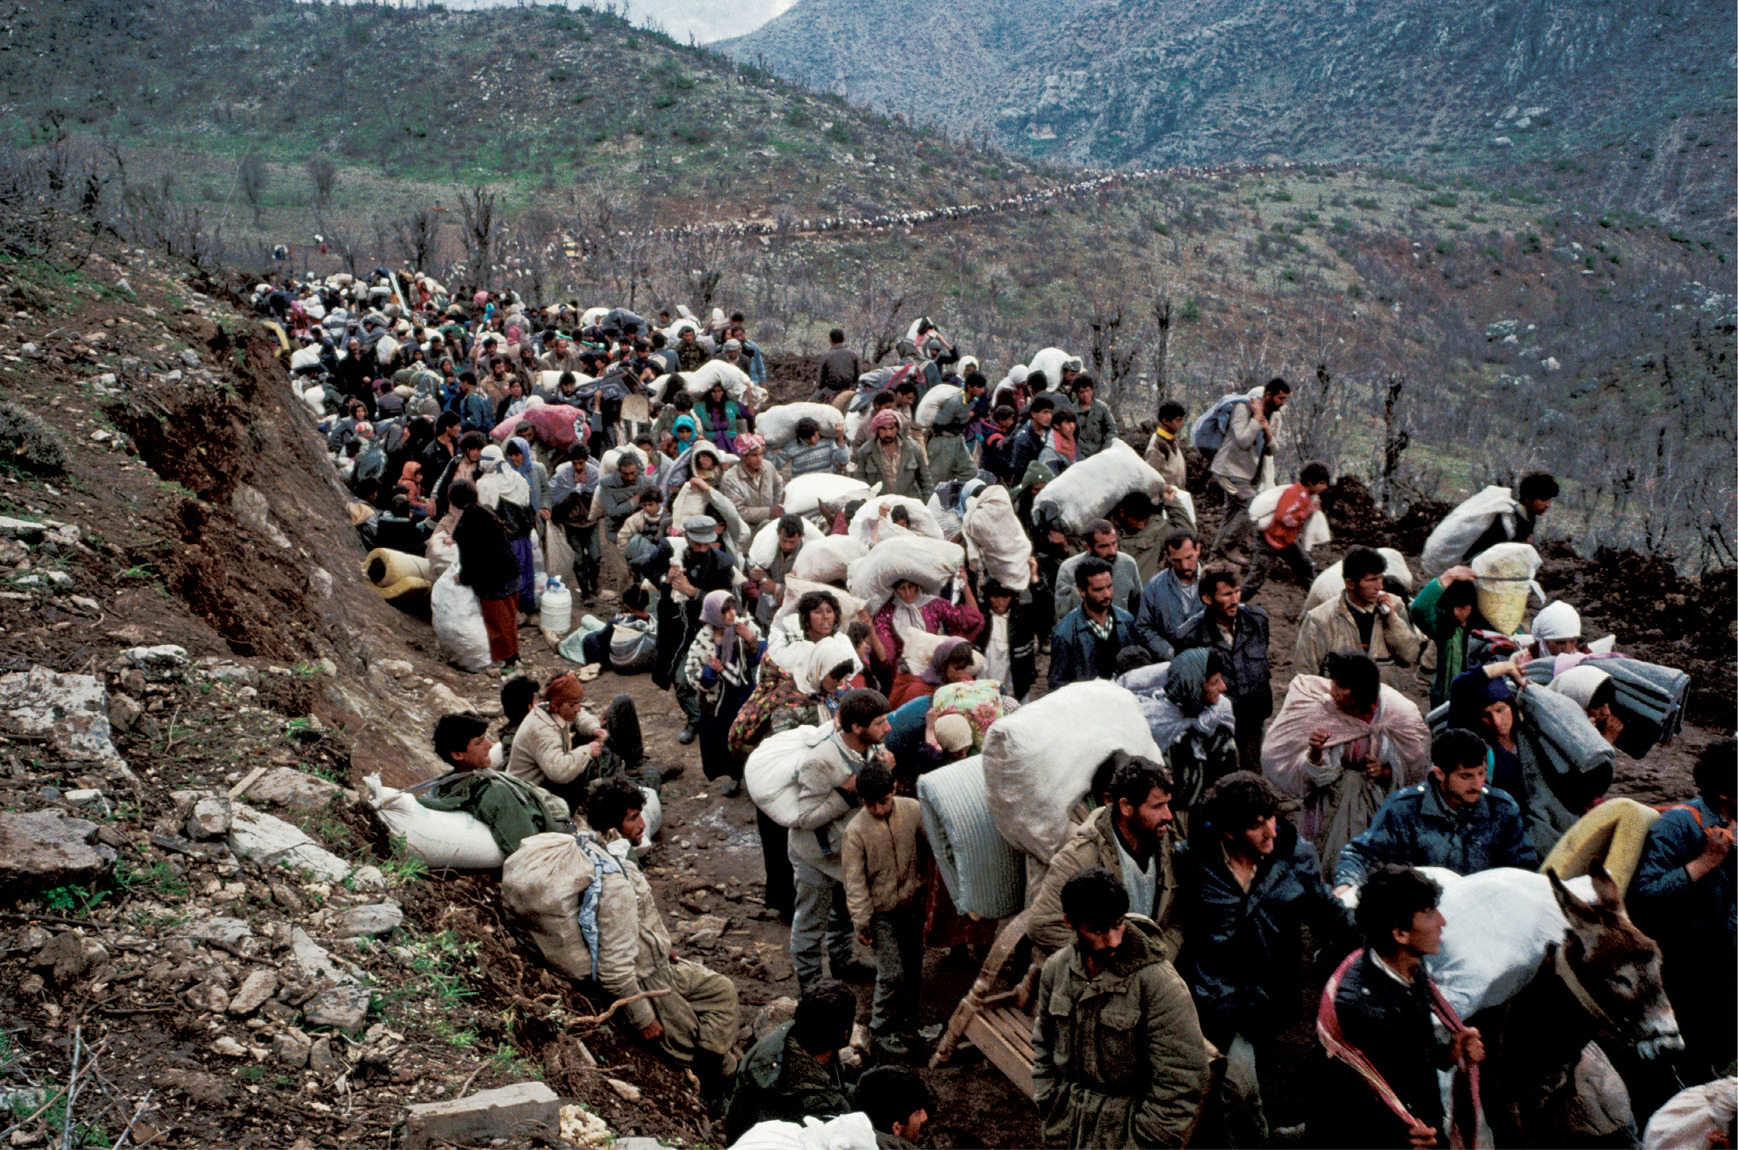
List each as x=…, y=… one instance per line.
x=514, y=1112
x=341, y=1007
x=47, y=848
x=270, y=840
x=370, y=921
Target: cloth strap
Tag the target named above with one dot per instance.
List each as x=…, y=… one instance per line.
x=1463, y=1122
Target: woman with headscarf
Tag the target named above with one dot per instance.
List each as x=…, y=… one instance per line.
x=684, y=434
x=536, y=475
x=722, y=661
x=719, y=417
x=817, y=616
x=410, y=479
x=953, y=661
x=1059, y=447
x=489, y=567
x=1444, y=609
x=463, y=465
x=699, y=494
x=911, y=607
x=1192, y=722
x=505, y=492
x=1595, y=692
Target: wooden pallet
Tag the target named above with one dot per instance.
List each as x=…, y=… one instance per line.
x=999, y=1023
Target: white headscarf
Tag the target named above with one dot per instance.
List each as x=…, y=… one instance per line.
x=499, y=481
x=907, y=616
x=823, y=656
x=1557, y=621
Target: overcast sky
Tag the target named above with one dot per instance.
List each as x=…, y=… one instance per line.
x=704, y=20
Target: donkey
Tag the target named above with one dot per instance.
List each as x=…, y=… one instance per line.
x=1601, y=982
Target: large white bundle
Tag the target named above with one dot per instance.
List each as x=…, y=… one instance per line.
x=947, y=520
x=866, y=523
x=550, y=380
x=611, y=461
x=1504, y=579
x=992, y=528
x=778, y=425
x=764, y=546
x=1039, y=761
x=305, y=358
x=458, y=622
x=673, y=333
x=827, y=560
x=854, y=422
x=441, y=553
x=1455, y=535
x=385, y=350
x=846, y=1132
x=542, y=883
x=1331, y=582
x=805, y=494
x=315, y=398
x=983, y=873
x=1051, y=361
x=1090, y=488
x=927, y=562
x=313, y=308
x=795, y=589
x=770, y=775
x=930, y=404
x=440, y=838
x=1499, y=924
x=700, y=380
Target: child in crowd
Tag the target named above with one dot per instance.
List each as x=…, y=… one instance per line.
x=1280, y=539
x=518, y=696
x=884, y=893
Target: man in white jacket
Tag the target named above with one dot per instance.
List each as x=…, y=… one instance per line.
x=1237, y=463
x=826, y=801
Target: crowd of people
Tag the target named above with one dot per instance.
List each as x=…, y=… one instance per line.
x=1172, y=917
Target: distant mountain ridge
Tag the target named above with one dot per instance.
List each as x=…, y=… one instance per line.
x=1638, y=97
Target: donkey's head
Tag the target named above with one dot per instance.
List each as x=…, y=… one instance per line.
x=1614, y=969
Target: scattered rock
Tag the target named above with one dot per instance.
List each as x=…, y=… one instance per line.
x=253, y=512
x=774, y=1015
x=580, y=1127
x=441, y=700
x=209, y=997
x=164, y=661
x=370, y=921
x=190, y=357
x=220, y=929
x=1551, y=363
x=70, y=954
x=271, y=841
x=232, y=673
x=48, y=848
x=209, y=819
x=86, y=797
x=255, y=989
x=295, y=791
x=321, y=1059
x=368, y=878
x=229, y=1047
x=197, y=1084
x=320, y=583
x=124, y=711
x=291, y=1048
x=342, y=1008
x=397, y=668
x=511, y=1112
x=626, y=1091
x=71, y=710
x=314, y=960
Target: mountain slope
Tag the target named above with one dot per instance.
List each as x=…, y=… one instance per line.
x=1157, y=82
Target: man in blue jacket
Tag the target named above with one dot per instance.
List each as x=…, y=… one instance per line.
x=1682, y=897
x=1450, y=820
x=1085, y=643
x=1239, y=634
x=1246, y=885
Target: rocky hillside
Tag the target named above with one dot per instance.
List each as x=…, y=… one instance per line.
x=1630, y=104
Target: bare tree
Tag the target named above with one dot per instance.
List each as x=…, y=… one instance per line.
x=477, y=205
x=251, y=177
x=418, y=238
x=323, y=174
x=1162, y=348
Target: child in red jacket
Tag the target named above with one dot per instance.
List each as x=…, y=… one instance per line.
x=1279, y=541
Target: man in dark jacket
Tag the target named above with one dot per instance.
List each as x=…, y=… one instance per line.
x=705, y=567
x=1247, y=884
x=1450, y=820
x=793, y=1072
x=1085, y=643
x=897, y=1103
x=1239, y=633
x=1682, y=896
x=1029, y=440
x=840, y=368
x=1009, y=639
x=1382, y=1009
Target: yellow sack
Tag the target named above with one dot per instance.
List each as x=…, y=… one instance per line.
x=1612, y=832
x=395, y=573
x=1504, y=579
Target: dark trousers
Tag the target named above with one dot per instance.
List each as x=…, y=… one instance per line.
x=1266, y=554
x=623, y=754
x=897, y=937
x=781, y=887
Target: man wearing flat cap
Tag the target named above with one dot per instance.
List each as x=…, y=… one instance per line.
x=702, y=566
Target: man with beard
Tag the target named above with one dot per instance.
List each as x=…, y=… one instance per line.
x=1118, y=1058
x=1239, y=634
x=1171, y=598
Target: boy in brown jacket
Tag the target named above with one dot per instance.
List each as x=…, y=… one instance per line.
x=884, y=893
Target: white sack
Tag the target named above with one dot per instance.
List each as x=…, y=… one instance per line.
x=826, y=560
x=795, y=589
x=305, y=358
x=542, y=883
x=927, y=562
x=1051, y=361
x=458, y=623
x=1331, y=582
x=992, y=530
x=846, y=1132
x=770, y=775
x=930, y=404
x=764, y=546
x=1499, y=923
x=1039, y=761
x=805, y=493
x=700, y=380
x=1448, y=544
x=612, y=459
x=1090, y=488
x=440, y=838
x=441, y=553
x=385, y=350
x=778, y=425
x=865, y=524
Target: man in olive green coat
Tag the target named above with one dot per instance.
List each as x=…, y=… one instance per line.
x=1118, y=1058
x=794, y=1071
